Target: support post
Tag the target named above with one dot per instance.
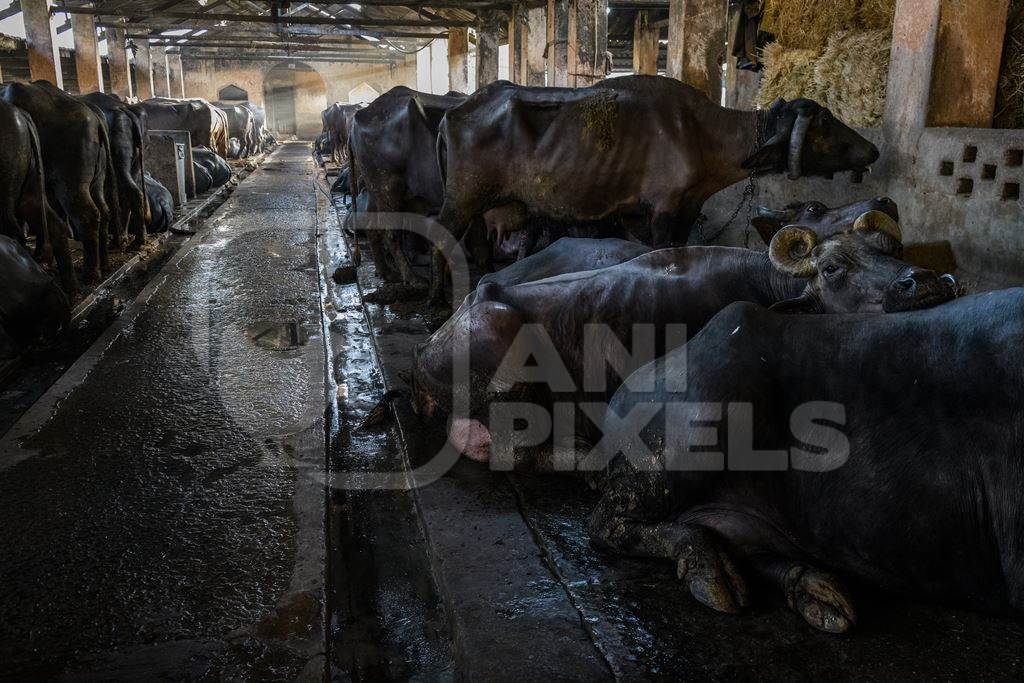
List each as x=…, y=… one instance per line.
x=143, y=70
x=968, y=52
x=588, y=41
x=487, y=49
x=117, y=60
x=557, y=51
x=87, y=53
x=175, y=75
x=515, y=44
x=645, y=44
x=696, y=43
x=43, y=58
x=536, y=39
x=458, y=60
x=161, y=87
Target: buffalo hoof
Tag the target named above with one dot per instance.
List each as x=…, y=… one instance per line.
x=344, y=275
x=710, y=574
x=821, y=599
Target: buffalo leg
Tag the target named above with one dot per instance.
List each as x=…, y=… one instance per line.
x=819, y=597
x=629, y=520
x=87, y=216
x=453, y=223
x=59, y=230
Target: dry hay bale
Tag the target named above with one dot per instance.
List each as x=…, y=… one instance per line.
x=1010, y=93
x=876, y=13
x=852, y=74
x=787, y=74
x=807, y=24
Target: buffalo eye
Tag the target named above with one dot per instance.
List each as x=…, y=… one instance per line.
x=832, y=271
x=815, y=208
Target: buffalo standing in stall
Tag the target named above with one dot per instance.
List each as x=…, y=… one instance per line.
x=240, y=127
x=126, y=129
x=392, y=146
x=337, y=124
x=23, y=193
x=883, y=448
x=80, y=175
x=634, y=145
x=206, y=124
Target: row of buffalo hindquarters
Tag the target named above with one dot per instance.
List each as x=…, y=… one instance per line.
x=73, y=168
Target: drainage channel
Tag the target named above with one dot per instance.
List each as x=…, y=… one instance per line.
x=386, y=618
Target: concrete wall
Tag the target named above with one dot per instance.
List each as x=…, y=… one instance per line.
x=204, y=78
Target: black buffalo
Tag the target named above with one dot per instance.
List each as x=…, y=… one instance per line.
x=882, y=448
x=242, y=127
x=80, y=175
x=213, y=165
x=23, y=193
x=574, y=254
x=854, y=271
x=126, y=129
x=161, y=205
x=393, y=156
x=33, y=307
x=634, y=144
x=337, y=125
x=206, y=124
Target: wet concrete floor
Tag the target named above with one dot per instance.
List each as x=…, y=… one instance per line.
x=163, y=503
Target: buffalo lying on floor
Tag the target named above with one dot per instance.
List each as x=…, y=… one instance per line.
x=575, y=254
x=32, y=307
x=885, y=449
x=80, y=177
x=126, y=130
x=214, y=165
x=206, y=124
x=642, y=144
x=549, y=319
x=392, y=144
x=23, y=193
x=161, y=205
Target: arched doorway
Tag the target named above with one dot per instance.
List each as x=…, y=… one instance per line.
x=294, y=94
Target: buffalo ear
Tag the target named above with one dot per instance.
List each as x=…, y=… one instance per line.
x=805, y=303
x=768, y=156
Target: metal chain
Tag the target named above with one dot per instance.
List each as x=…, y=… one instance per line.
x=760, y=135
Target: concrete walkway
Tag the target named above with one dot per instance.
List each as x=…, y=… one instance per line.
x=163, y=504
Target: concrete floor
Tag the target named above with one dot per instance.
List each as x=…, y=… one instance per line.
x=180, y=504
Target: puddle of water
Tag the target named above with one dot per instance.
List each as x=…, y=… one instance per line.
x=287, y=335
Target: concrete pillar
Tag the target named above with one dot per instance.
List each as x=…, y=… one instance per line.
x=645, y=44
x=588, y=41
x=458, y=60
x=161, y=86
x=143, y=70
x=516, y=44
x=117, y=60
x=176, y=74
x=558, y=43
x=968, y=53
x=536, y=40
x=43, y=58
x=487, y=49
x=87, y=53
x=696, y=43
x=911, y=63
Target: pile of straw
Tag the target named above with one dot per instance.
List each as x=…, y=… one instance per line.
x=1010, y=93
x=807, y=24
x=788, y=74
x=835, y=52
x=851, y=74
